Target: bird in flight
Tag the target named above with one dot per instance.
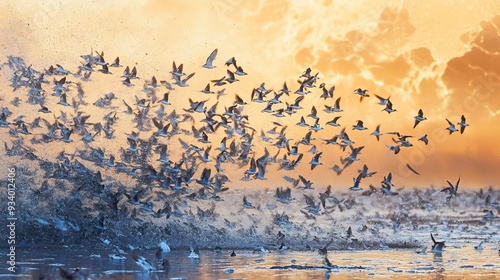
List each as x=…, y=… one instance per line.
x=210, y=59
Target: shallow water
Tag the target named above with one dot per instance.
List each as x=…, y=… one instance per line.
x=457, y=262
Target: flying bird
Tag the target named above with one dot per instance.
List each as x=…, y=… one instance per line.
x=210, y=59
x=451, y=128
x=315, y=160
x=462, y=124
x=452, y=189
x=424, y=139
x=362, y=93
x=359, y=126
x=418, y=118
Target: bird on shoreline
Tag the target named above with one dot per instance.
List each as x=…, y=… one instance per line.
x=143, y=262
x=362, y=93
x=451, y=128
x=437, y=247
x=388, y=107
x=452, y=189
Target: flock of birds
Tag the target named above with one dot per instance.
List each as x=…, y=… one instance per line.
x=137, y=156
x=148, y=158
x=177, y=175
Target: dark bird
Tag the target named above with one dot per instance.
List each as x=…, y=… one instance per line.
x=452, y=189
x=359, y=126
x=315, y=160
x=334, y=121
x=381, y=100
x=411, y=169
x=376, y=132
x=388, y=107
x=418, y=118
x=424, y=139
x=116, y=63
x=463, y=124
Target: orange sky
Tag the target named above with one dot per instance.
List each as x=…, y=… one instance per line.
x=421, y=54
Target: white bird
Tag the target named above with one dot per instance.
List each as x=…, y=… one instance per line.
x=381, y=100
x=316, y=126
x=356, y=180
x=424, y=139
x=209, y=63
x=315, y=160
x=452, y=127
x=452, y=189
x=334, y=121
x=164, y=246
x=376, y=132
x=437, y=247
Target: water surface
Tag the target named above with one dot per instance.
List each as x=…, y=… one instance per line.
x=457, y=262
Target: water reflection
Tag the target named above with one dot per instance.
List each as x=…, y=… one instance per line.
x=465, y=263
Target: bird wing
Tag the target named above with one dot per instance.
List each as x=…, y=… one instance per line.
x=411, y=169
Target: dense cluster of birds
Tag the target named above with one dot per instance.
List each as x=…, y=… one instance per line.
x=146, y=155
x=176, y=175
